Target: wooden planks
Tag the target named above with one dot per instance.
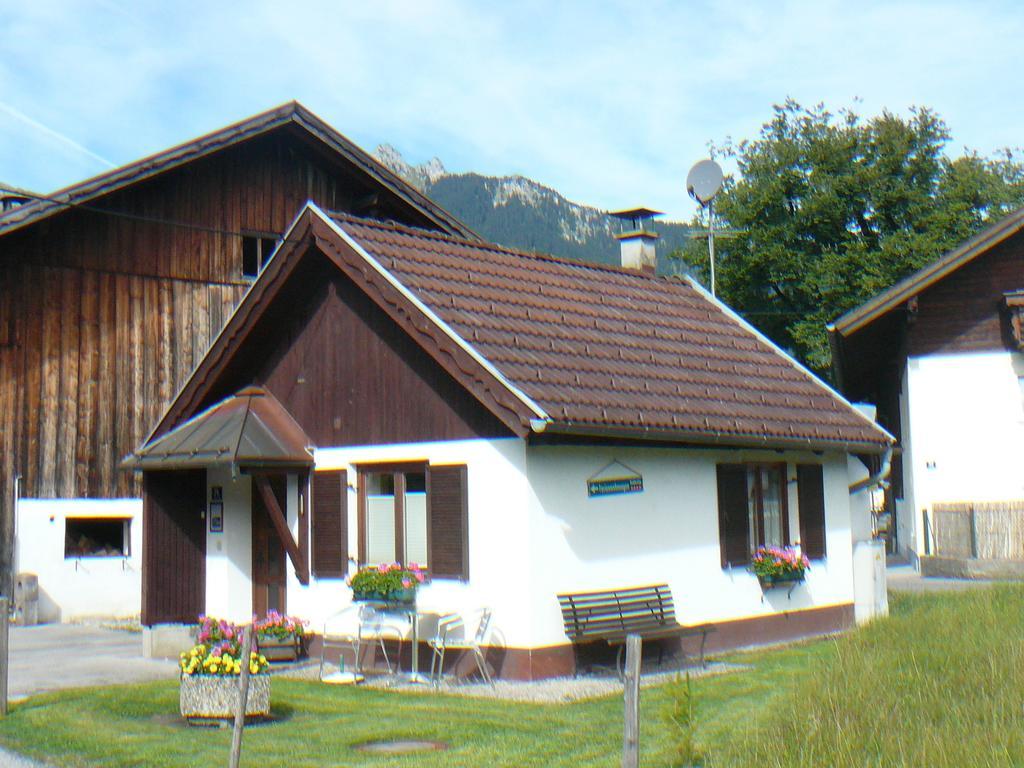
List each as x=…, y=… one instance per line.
x=103, y=317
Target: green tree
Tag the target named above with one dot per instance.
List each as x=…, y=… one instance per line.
x=831, y=209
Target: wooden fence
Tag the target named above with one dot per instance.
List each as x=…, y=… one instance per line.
x=982, y=530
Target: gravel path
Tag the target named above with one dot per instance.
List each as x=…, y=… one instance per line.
x=550, y=691
x=904, y=578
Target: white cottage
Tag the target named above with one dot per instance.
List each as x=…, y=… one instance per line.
x=942, y=355
x=389, y=393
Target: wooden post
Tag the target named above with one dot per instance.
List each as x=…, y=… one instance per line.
x=5, y=616
x=631, y=680
x=243, y=699
x=974, y=534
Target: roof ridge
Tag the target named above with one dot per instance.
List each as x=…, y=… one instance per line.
x=281, y=116
x=487, y=245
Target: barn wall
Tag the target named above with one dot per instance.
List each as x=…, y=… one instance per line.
x=103, y=317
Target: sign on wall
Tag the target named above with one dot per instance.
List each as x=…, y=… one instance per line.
x=216, y=509
x=614, y=478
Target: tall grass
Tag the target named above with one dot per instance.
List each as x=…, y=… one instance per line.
x=939, y=683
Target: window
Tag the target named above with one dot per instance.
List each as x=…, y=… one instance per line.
x=753, y=509
x=97, y=537
x=415, y=513
x=395, y=518
x=256, y=252
x=767, y=511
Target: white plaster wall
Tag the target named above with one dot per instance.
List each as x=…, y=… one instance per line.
x=496, y=476
x=965, y=440
x=229, y=554
x=80, y=587
x=668, y=533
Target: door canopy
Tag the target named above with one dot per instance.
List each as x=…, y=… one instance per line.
x=249, y=430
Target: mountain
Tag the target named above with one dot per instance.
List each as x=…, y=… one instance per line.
x=518, y=212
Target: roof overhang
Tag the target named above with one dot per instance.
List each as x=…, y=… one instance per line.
x=686, y=438
x=248, y=430
x=887, y=300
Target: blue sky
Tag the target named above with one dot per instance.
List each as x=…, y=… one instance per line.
x=608, y=102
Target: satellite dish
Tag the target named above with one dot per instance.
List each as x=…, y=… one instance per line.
x=704, y=180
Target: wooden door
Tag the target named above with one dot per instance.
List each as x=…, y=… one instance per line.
x=173, y=546
x=269, y=560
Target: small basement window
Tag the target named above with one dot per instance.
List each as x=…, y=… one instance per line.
x=97, y=537
x=256, y=252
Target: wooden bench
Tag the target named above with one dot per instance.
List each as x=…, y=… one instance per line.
x=613, y=614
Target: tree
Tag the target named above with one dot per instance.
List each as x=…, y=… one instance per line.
x=831, y=209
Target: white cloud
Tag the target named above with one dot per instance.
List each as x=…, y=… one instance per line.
x=608, y=102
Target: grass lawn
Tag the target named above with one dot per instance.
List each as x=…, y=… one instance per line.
x=939, y=684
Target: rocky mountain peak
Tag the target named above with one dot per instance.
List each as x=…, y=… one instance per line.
x=420, y=176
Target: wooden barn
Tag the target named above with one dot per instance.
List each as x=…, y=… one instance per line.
x=112, y=290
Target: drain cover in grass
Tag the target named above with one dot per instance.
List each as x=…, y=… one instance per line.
x=400, y=746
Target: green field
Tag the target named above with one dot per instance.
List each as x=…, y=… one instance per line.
x=939, y=684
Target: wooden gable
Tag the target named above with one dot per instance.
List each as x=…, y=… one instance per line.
x=966, y=311
x=344, y=370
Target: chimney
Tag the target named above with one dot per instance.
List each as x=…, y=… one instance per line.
x=636, y=239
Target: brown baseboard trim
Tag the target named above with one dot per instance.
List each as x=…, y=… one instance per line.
x=560, y=660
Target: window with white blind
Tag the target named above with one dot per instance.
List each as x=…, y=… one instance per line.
x=394, y=514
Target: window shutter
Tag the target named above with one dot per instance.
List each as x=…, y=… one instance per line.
x=330, y=524
x=733, y=515
x=448, y=521
x=811, y=499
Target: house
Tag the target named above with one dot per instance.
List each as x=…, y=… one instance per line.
x=385, y=392
x=110, y=293
x=941, y=353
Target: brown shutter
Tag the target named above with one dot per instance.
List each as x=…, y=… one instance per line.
x=330, y=524
x=811, y=499
x=733, y=517
x=448, y=522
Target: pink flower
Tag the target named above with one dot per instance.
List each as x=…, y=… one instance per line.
x=419, y=577
x=406, y=583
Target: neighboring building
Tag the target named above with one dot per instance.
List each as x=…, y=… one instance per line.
x=390, y=393
x=941, y=353
x=110, y=293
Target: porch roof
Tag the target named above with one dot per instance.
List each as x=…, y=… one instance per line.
x=250, y=428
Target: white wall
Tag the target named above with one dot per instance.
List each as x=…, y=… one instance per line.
x=78, y=587
x=229, y=554
x=964, y=432
x=533, y=532
x=497, y=527
x=666, y=534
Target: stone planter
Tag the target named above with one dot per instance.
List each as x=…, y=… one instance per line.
x=280, y=648
x=215, y=697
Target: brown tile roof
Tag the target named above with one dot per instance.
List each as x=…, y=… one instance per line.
x=610, y=351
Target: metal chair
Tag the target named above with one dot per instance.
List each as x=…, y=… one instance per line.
x=451, y=635
x=356, y=626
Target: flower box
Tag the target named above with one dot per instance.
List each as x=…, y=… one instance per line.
x=398, y=597
x=767, y=582
x=215, y=697
x=389, y=583
x=276, y=648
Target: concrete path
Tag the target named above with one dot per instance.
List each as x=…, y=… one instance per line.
x=51, y=657
x=904, y=578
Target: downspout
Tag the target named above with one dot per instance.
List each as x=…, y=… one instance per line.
x=879, y=477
